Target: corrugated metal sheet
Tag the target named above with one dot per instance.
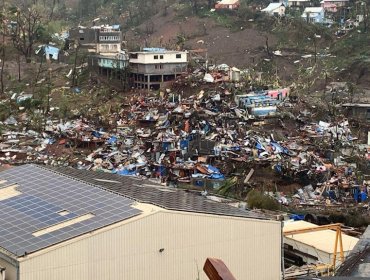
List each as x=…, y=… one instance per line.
x=164, y=245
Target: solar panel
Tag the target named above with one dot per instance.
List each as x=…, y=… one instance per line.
x=139, y=190
x=44, y=194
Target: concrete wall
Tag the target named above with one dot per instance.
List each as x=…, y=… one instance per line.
x=165, y=57
x=250, y=248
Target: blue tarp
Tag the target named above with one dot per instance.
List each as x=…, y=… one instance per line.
x=112, y=140
x=216, y=176
x=166, y=146
x=184, y=144
x=297, y=217
x=96, y=134
x=280, y=149
x=259, y=146
x=125, y=172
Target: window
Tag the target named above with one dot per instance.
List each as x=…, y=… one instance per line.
x=104, y=47
x=178, y=56
x=81, y=39
x=156, y=57
x=161, y=56
x=133, y=55
x=368, y=114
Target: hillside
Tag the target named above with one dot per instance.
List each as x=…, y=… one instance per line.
x=239, y=39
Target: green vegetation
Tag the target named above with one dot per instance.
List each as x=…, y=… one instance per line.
x=256, y=199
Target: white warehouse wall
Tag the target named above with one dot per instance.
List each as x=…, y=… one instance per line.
x=250, y=248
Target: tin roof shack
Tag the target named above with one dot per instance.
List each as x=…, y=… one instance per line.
x=50, y=52
x=358, y=111
x=153, y=67
x=228, y=4
x=317, y=246
x=78, y=225
x=275, y=9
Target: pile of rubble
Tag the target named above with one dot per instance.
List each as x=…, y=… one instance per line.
x=190, y=140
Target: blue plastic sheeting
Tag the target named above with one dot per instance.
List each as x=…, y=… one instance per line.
x=297, y=217
x=162, y=171
x=184, y=144
x=216, y=176
x=259, y=146
x=166, y=146
x=280, y=149
x=50, y=141
x=125, y=172
x=213, y=169
x=278, y=168
x=112, y=140
x=363, y=196
x=96, y=134
x=199, y=183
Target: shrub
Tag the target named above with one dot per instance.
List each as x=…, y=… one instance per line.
x=256, y=199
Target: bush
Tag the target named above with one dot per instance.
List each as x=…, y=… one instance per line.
x=256, y=199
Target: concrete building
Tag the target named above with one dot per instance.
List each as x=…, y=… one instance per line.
x=99, y=39
x=153, y=67
x=111, y=66
x=315, y=246
x=227, y=4
x=73, y=224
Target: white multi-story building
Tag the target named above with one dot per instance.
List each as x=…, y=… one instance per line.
x=152, y=67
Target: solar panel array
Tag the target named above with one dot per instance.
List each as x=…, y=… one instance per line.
x=44, y=194
x=176, y=199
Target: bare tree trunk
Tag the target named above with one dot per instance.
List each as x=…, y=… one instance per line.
x=3, y=55
x=2, y=68
x=52, y=10
x=74, y=78
x=19, y=67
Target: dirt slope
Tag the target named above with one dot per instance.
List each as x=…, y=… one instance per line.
x=224, y=46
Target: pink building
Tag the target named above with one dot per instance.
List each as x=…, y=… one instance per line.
x=228, y=4
x=333, y=5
